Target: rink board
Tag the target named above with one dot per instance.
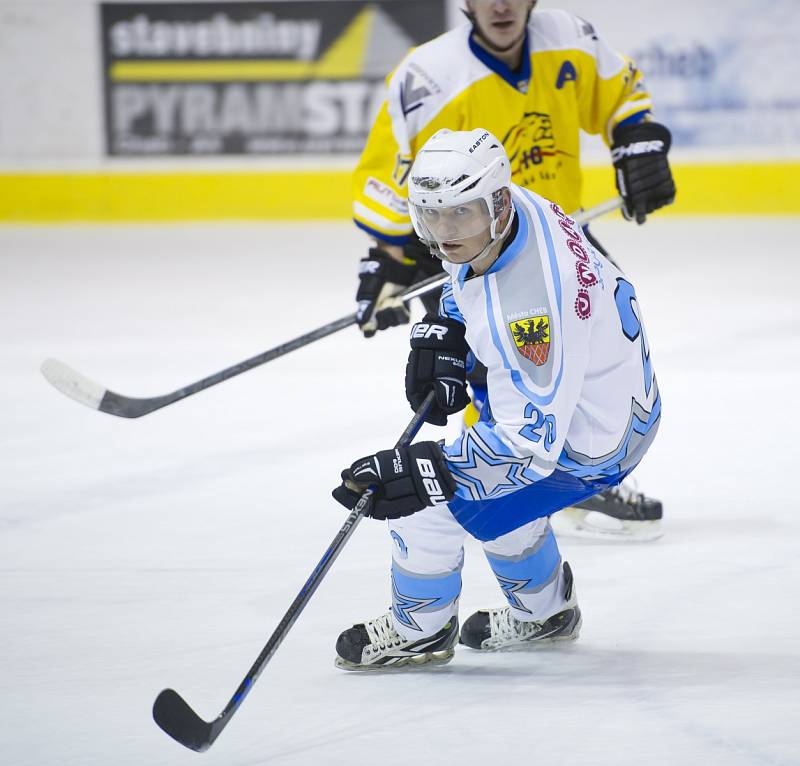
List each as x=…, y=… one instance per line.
x=703, y=189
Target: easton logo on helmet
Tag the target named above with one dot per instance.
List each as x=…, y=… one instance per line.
x=478, y=142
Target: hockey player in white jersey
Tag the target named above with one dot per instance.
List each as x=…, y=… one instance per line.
x=573, y=405
x=535, y=78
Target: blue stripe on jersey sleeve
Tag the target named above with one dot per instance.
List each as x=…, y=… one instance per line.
x=633, y=119
x=379, y=235
x=447, y=304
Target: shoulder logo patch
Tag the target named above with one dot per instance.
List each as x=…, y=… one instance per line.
x=412, y=94
x=532, y=337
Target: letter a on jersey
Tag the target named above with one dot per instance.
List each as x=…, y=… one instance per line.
x=532, y=336
x=566, y=74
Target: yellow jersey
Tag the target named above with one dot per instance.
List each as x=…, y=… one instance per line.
x=570, y=78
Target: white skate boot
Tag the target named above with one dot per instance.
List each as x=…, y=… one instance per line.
x=620, y=513
x=376, y=645
x=497, y=629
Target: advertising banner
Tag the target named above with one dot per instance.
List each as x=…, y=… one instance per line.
x=724, y=76
x=252, y=78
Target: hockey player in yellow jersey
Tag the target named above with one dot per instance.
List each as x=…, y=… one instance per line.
x=534, y=79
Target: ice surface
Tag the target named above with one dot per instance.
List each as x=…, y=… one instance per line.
x=163, y=551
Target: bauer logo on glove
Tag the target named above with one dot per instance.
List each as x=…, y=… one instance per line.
x=425, y=330
x=438, y=362
x=405, y=480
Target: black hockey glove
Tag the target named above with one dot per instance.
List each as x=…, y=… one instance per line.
x=380, y=279
x=438, y=361
x=643, y=177
x=405, y=479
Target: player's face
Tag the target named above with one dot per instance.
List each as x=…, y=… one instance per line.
x=462, y=231
x=465, y=250
x=501, y=23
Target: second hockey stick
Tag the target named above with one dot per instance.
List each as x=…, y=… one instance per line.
x=170, y=710
x=84, y=390
x=80, y=388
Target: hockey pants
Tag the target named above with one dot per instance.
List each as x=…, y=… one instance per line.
x=427, y=556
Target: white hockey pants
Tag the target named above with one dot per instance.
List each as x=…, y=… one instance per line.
x=427, y=556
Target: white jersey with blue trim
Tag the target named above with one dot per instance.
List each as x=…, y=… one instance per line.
x=571, y=384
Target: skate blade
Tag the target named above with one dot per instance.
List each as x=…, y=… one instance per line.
x=593, y=525
x=539, y=643
x=407, y=663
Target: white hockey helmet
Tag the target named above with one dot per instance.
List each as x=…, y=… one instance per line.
x=455, y=190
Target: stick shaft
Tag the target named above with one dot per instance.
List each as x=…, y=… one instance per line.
x=80, y=388
x=319, y=572
x=172, y=713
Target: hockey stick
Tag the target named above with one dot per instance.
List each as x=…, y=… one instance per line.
x=170, y=710
x=80, y=388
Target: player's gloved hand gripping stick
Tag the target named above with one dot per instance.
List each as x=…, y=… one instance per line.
x=171, y=712
x=80, y=388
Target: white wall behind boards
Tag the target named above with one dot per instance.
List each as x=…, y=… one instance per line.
x=724, y=76
x=50, y=97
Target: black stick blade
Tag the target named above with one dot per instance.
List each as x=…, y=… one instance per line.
x=133, y=407
x=177, y=719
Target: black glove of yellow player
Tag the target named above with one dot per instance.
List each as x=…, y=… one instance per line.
x=438, y=361
x=405, y=480
x=381, y=279
x=643, y=177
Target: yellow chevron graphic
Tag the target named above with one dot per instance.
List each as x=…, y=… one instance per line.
x=345, y=57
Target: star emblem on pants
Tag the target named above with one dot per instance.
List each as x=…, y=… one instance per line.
x=403, y=606
x=487, y=472
x=509, y=590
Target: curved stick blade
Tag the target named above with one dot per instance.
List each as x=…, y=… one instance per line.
x=77, y=386
x=72, y=384
x=177, y=719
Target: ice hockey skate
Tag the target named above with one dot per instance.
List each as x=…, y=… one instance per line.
x=497, y=629
x=620, y=513
x=376, y=645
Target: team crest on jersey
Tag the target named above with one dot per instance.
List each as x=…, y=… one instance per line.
x=532, y=337
x=533, y=149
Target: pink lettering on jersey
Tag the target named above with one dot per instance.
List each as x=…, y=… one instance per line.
x=578, y=251
x=566, y=226
x=585, y=274
x=583, y=304
x=561, y=214
x=586, y=277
